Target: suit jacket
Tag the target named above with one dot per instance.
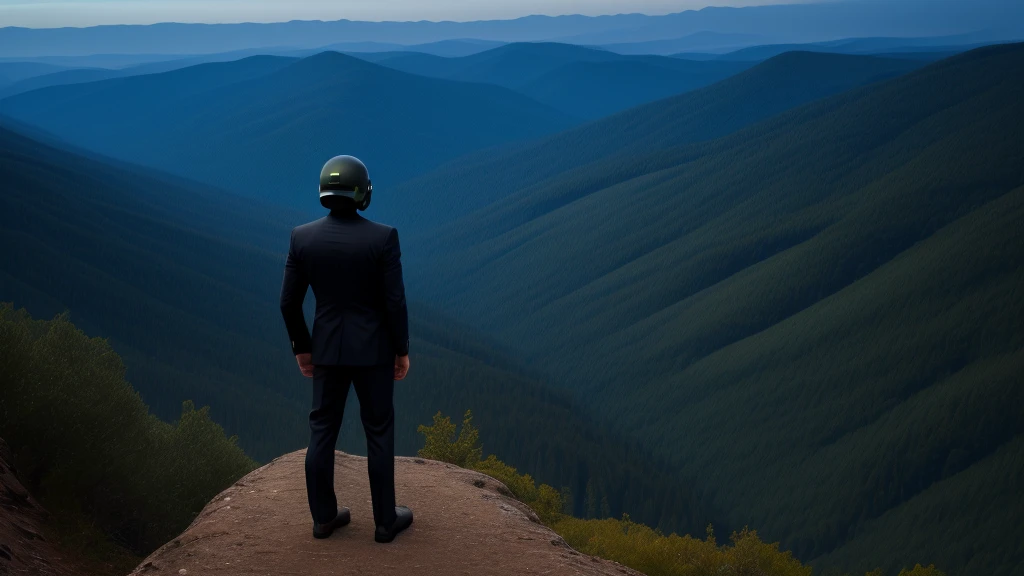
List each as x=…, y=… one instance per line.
x=355, y=268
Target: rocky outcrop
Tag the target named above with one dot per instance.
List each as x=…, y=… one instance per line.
x=466, y=523
x=23, y=547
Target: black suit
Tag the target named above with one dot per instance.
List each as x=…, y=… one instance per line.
x=361, y=324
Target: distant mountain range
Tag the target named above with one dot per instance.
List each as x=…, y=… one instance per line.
x=39, y=72
x=804, y=22
x=630, y=81
x=262, y=126
x=893, y=47
x=700, y=42
x=584, y=82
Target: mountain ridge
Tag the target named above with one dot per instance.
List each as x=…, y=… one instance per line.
x=271, y=111
x=786, y=22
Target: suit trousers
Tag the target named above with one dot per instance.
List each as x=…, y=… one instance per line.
x=375, y=387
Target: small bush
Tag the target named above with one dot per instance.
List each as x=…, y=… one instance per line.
x=919, y=570
x=441, y=443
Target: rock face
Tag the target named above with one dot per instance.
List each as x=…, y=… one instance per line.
x=23, y=549
x=464, y=524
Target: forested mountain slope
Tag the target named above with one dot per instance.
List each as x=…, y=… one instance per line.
x=482, y=178
x=262, y=126
x=184, y=281
x=818, y=317
x=596, y=89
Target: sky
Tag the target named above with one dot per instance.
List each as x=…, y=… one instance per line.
x=58, y=13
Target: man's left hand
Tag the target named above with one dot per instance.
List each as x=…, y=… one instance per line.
x=305, y=364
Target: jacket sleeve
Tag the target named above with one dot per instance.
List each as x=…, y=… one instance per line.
x=394, y=294
x=293, y=292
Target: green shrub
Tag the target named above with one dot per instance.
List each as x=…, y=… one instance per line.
x=86, y=445
x=441, y=443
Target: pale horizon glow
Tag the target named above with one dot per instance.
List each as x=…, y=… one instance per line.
x=82, y=13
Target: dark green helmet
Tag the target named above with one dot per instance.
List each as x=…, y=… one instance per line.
x=345, y=177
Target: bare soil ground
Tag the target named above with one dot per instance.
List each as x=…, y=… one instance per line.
x=465, y=523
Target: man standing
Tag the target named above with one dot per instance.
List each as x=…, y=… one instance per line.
x=360, y=337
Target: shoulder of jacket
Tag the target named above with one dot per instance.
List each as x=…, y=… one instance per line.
x=307, y=226
x=304, y=229
x=383, y=229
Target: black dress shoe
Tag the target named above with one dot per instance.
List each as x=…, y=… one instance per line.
x=403, y=519
x=324, y=530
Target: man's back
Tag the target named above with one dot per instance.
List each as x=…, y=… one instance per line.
x=360, y=339
x=354, y=267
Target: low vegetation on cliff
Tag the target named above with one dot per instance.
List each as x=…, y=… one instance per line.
x=630, y=543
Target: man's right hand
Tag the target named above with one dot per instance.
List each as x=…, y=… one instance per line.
x=305, y=362
x=401, y=367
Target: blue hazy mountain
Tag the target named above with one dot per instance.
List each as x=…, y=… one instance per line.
x=83, y=75
x=912, y=47
x=283, y=118
x=700, y=42
x=512, y=65
x=581, y=81
x=447, y=48
x=597, y=89
x=769, y=88
x=822, y=21
x=455, y=47
x=73, y=76
x=14, y=72
x=77, y=71
x=804, y=22
x=818, y=316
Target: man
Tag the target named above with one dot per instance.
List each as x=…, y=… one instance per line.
x=360, y=336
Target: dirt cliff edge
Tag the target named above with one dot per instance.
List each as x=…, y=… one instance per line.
x=465, y=523
x=23, y=547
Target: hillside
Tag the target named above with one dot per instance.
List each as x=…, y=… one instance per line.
x=597, y=89
x=13, y=72
x=429, y=202
x=272, y=112
x=83, y=72
x=184, y=280
x=465, y=521
x=892, y=47
x=853, y=264
x=59, y=78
